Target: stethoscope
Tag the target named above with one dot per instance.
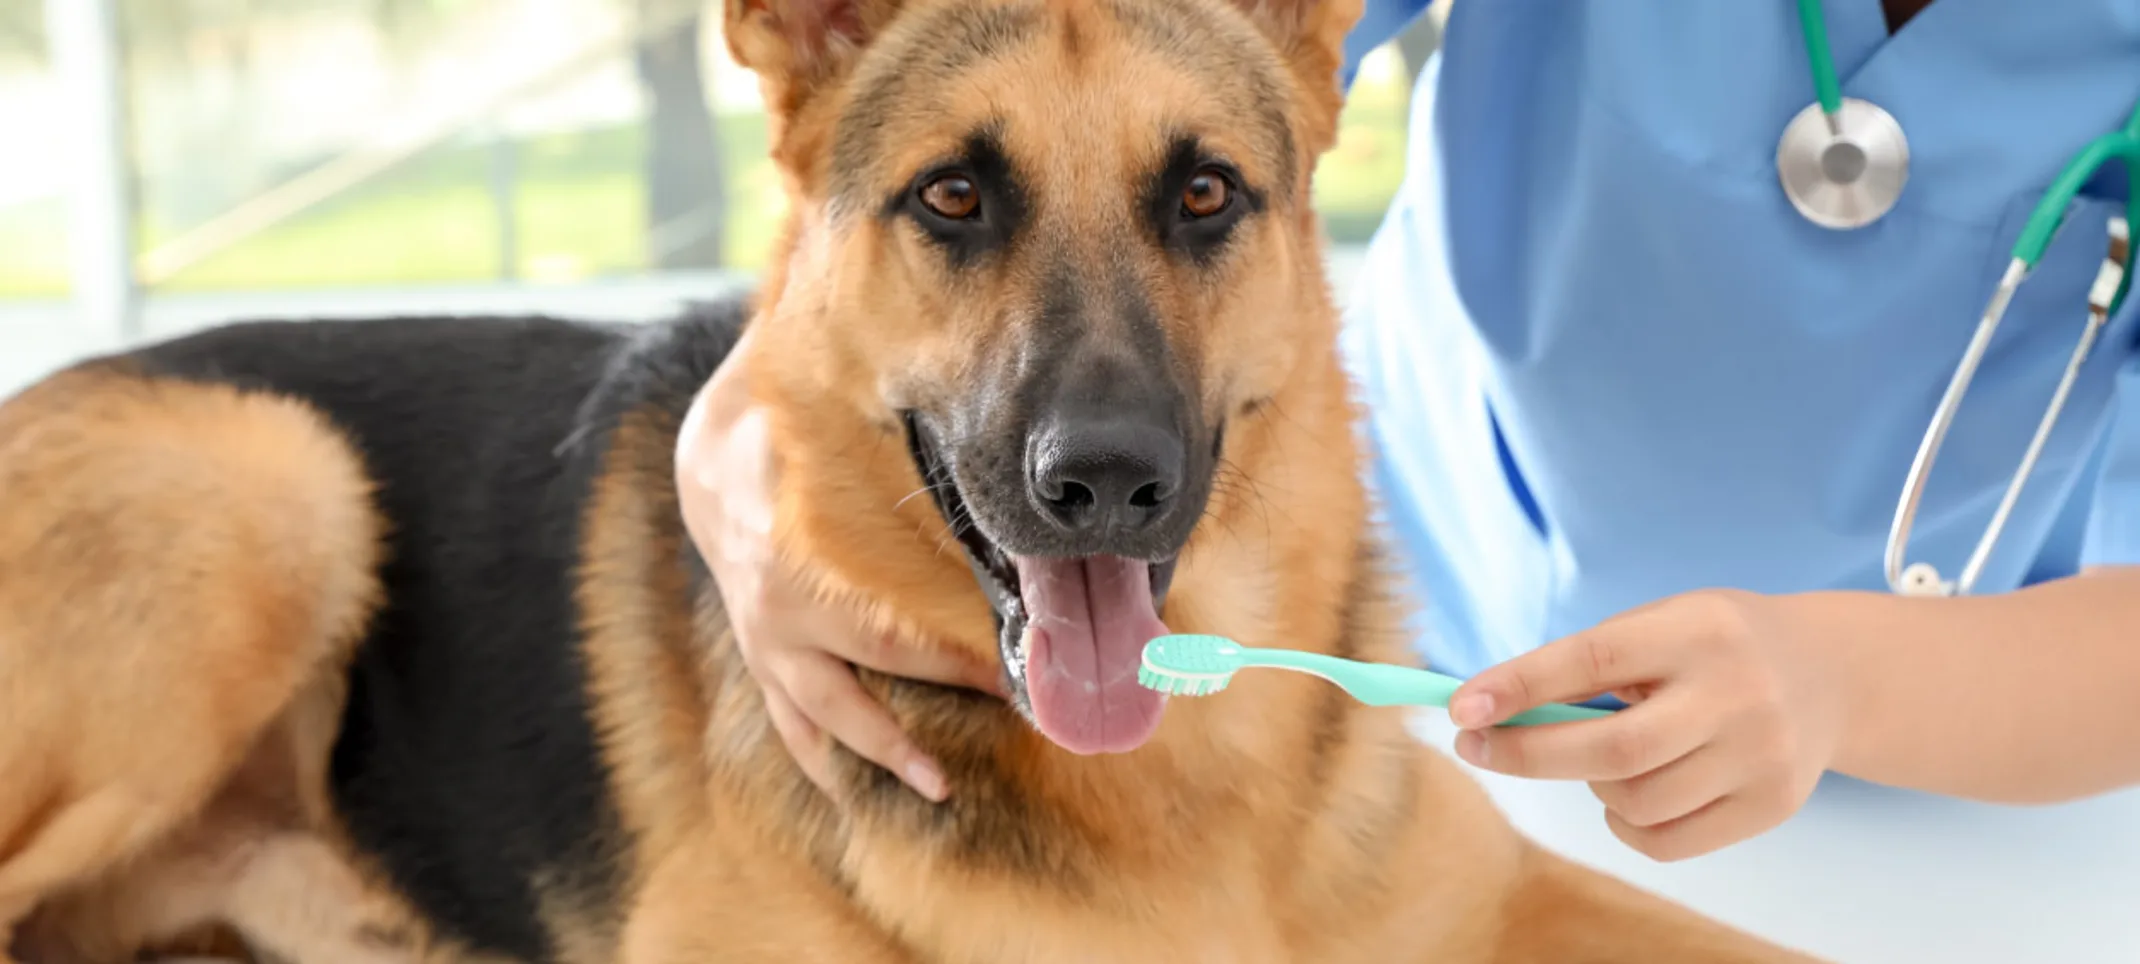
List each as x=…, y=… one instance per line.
x=1843, y=162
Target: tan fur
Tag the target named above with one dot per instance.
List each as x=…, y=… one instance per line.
x=1275, y=823
x=164, y=733
x=735, y=897
x=645, y=675
x=164, y=736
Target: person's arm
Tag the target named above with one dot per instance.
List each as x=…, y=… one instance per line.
x=2024, y=697
x=1740, y=701
x=800, y=649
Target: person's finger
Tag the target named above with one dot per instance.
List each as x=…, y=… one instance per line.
x=893, y=657
x=826, y=692
x=1633, y=649
x=837, y=630
x=806, y=623
x=804, y=740
x=1673, y=791
x=1631, y=742
x=1722, y=823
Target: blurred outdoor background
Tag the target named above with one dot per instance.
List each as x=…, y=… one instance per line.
x=171, y=163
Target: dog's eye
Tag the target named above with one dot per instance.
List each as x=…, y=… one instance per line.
x=951, y=196
x=1207, y=194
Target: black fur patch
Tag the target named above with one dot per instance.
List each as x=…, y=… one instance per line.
x=468, y=764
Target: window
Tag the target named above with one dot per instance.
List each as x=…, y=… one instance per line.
x=336, y=143
x=33, y=223
x=301, y=145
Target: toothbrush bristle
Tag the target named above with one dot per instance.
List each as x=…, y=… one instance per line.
x=1188, y=665
x=1180, y=685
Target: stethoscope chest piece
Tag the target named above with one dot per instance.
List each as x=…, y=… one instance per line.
x=1843, y=170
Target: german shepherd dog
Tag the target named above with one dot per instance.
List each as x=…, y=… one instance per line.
x=382, y=641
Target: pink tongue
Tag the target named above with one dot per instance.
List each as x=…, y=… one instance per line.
x=1087, y=623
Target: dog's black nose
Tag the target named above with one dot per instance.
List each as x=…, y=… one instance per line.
x=1105, y=476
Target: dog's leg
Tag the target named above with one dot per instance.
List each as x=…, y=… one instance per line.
x=1562, y=911
x=86, y=835
x=296, y=899
x=283, y=896
x=176, y=561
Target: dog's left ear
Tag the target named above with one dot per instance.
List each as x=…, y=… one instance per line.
x=1310, y=36
x=799, y=47
x=1306, y=23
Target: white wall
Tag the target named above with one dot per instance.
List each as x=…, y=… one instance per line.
x=34, y=341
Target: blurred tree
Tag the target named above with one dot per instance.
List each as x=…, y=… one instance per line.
x=188, y=68
x=196, y=82
x=22, y=31
x=403, y=22
x=686, y=196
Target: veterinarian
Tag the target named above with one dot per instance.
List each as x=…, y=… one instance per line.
x=1644, y=407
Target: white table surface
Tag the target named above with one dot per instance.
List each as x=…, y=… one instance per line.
x=1870, y=875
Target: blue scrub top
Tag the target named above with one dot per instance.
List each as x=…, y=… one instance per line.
x=1606, y=361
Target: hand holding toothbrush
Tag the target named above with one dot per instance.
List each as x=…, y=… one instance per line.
x=1733, y=715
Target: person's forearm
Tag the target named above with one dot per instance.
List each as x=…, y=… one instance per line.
x=2025, y=697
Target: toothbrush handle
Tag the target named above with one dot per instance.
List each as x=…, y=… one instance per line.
x=1556, y=713
x=1383, y=684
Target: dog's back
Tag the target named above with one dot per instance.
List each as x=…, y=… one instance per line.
x=369, y=604
x=465, y=764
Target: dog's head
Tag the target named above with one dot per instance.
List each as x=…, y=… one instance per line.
x=1051, y=261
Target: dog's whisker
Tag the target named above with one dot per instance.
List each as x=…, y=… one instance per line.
x=1228, y=479
x=909, y=497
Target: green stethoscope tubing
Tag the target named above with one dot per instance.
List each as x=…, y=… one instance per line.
x=1825, y=86
x=2050, y=213
x=2035, y=239
x=2043, y=223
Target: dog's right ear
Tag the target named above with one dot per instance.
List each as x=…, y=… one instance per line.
x=798, y=47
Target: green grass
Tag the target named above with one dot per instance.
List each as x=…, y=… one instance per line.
x=579, y=201
x=1363, y=170
x=580, y=204
x=33, y=249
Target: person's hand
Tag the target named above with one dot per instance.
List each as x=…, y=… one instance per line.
x=801, y=651
x=1733, y=715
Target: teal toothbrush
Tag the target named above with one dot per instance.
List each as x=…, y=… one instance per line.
x=1197, y=665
